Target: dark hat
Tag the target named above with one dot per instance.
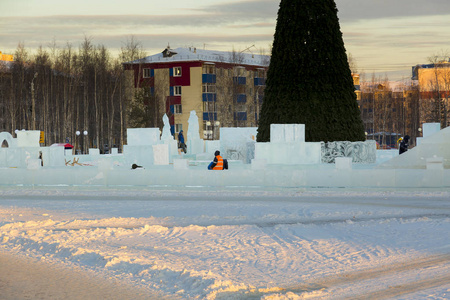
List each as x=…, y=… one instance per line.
x=217, y=153
x=406, y=138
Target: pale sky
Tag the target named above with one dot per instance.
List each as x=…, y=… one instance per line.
x=383, y=36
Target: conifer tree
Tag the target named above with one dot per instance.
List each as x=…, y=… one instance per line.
x=309, y=80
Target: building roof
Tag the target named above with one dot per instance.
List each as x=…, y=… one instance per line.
x=193, y=54
x=441, y=64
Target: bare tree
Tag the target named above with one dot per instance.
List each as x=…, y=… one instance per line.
x=131, y=50
x=352, y=63
x=435, y=108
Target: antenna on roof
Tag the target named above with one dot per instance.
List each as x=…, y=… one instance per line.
x=248, y=49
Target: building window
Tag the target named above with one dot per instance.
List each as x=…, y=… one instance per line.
x=178, y=127
x=177, y=109
x=177, y=71
x=260, y=73
x=240, y=71
x=147, y=73
x=209, y=69
x=208, y=88
x=177, y=90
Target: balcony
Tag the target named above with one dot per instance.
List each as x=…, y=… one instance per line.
x=240, y=116
x=209, y=97
x=209, y=116
x=208, y=78
x=240, y=80
x=259, y=81
x=241, y=98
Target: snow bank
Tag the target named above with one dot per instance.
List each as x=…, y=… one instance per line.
x=231, y=245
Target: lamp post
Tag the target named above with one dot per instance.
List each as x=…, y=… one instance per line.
x=217, y=124
x=85, y=133
x=208, y=127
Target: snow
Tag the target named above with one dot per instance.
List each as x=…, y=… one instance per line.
x=194, y=54
x=238, y=243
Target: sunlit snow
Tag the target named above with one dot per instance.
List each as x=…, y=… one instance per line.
x=237, y=244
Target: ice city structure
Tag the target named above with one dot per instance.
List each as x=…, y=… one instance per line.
x=287, y=161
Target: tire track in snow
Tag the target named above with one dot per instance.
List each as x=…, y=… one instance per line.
x=384, y=271
x=405, y=289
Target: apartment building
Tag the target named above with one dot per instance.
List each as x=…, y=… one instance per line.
x=224, y=88
x=5, y=63
x=6, y=57
x=434, y=91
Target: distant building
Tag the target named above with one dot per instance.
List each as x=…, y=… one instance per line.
x=5, y=65
x=434, y=90
x=224, y=88
x=390, y=110
x=6, y=57
x=357, y=85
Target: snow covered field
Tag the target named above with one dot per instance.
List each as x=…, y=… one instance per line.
x=195, y=243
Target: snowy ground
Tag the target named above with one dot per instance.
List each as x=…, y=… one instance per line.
x=234, y=244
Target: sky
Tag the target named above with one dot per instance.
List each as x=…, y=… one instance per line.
x=385, y=37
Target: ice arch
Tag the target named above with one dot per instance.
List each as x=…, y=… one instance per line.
x=6, y=136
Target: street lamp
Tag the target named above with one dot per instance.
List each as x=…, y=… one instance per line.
x=217, y=124
x=85, y=133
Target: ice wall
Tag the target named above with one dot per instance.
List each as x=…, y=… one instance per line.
x=288, y=147
x=142, y=136
x=287, y=162
x=6, y=136
x=139, y=148
x=287, y=133
x=184, y=176
x=28, y=138
x=360, y=152
x=428, y=129
x=20, y=151
x=433, y=146
x=238, y=143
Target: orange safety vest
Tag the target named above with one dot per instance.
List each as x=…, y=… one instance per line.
x=219, y=164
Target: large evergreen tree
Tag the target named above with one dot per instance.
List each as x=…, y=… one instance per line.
x=309, y=80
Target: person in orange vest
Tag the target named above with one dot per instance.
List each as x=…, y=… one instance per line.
x=218, y=163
